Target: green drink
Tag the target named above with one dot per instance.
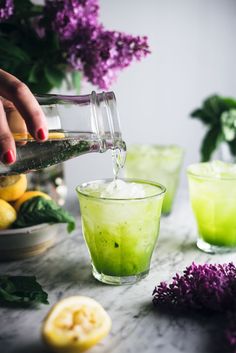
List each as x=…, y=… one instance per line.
x=212, y=188
x=120, y=221
x=157, y=163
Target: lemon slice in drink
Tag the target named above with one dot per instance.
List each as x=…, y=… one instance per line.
x=12, y=187
x=7, y=214
x=75, y=324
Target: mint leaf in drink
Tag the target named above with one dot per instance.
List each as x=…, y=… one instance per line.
x=39, y=210
x=21, y=290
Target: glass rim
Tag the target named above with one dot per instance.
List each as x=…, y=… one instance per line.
x=129, y=180
x=207, y=177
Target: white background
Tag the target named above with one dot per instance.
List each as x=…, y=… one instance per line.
x=193, y=55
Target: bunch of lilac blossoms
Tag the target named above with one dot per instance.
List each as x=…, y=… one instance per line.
x=6, y=9
x=203, y=287
x=98, y=53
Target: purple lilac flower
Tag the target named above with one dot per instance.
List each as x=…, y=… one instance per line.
x=6, y=9
x=88, y=47
x=104, y=53
x=207, y=286
x=70, y=15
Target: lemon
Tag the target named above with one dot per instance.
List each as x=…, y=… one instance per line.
x=56, y=135
x=12, y=187
x=27, y=196
x=7, y=214
x=51, y=136
x=75, y=324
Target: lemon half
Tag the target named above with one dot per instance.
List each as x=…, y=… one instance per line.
x=75, y=324
x=12, y=187
x=7, y=214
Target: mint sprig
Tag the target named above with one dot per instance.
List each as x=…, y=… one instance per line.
x=39, y=210
x=218, y=114
x=21, y=290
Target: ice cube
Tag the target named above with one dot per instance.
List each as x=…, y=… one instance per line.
x=215, y=169
x=120, y=189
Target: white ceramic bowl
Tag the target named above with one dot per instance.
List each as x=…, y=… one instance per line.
x=20, y=243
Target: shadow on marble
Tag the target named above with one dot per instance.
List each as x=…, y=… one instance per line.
x=33, y=347
x=188, y=247
x=210, y=326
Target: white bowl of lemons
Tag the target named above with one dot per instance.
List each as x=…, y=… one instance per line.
x=21, y=242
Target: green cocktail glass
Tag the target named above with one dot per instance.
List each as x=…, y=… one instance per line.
x=212, y=187
x=161, y=163
x=120, y=231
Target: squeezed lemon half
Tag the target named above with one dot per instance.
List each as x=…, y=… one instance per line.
x=7, y=214
x=12, y=187
x=27, y=196
x=75, y=324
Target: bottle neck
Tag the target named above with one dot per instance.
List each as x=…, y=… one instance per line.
x=96, y=113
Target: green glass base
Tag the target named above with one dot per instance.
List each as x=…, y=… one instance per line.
x=213, y=249
x=115, y=280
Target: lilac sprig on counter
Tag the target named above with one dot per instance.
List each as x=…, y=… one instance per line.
x=203, y=287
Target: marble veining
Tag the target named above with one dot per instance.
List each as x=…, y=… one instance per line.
x=64, y=270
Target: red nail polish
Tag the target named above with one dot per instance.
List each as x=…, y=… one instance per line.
x=41, y=134
x=8, y=157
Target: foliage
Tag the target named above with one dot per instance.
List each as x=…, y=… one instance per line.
x=219, y=114
x=43, y=45
x=40, y=210
x=21, y=290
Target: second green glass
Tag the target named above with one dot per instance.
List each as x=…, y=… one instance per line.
x=159, y=163
x=212, y=189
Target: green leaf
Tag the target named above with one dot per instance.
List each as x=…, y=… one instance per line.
x=76, y=80
x=9, y=49
x=200, y=114
x=54, y=75
x=211, y=110
x=33, y=73
x=39, y=210
x=210, y=142
x=21, y=290
x=228, y=121
x=230, y=102
x=232, y=147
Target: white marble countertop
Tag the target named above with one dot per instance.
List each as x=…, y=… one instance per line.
x=64, y=270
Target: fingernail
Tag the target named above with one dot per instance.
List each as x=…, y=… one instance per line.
x=8, y=157
x=41, y=134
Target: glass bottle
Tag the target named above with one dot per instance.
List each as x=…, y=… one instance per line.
x=96, y=129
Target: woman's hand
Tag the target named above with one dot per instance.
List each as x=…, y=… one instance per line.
x=22, y=100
